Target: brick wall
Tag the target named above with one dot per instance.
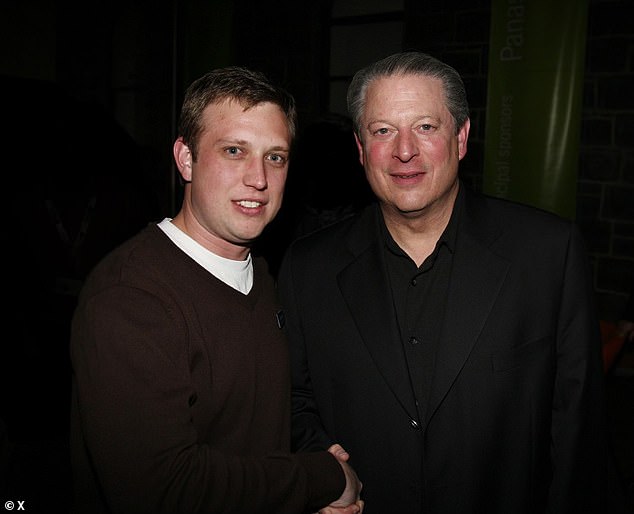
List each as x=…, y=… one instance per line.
x=458, y=32
x=605, y=201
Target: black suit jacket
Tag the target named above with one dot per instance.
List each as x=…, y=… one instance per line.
x=515, y=420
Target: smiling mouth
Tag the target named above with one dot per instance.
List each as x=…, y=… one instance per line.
x=407, y=176
x=249, y=204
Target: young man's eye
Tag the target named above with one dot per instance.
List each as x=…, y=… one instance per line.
x=277, y=158
x=232, y=150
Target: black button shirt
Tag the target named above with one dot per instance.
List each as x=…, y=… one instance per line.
x=419, y=295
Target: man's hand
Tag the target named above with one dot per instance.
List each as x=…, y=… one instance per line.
x=338, y=451
x=349, y=502
x=355, y=508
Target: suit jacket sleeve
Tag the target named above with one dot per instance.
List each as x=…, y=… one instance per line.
x=579, y=451
x=307, y=430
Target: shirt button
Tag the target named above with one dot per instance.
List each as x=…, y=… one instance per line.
x=413, y=341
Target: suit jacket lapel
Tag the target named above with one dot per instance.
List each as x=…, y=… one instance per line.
x=476, y=278
x=365, y=287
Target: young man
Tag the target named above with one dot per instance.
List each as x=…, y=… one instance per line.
x=447, y=340
x=181, y=388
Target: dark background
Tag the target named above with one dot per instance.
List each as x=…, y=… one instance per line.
x=89, y=93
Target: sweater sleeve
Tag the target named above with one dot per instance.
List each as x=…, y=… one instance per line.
x=132, y=397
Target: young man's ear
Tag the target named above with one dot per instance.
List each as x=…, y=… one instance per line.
x=183, y=158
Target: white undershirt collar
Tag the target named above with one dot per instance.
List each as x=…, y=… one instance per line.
x=237, y=274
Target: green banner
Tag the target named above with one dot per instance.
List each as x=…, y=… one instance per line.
x=533, y=117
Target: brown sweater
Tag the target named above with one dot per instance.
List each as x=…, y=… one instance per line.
x=181, y=393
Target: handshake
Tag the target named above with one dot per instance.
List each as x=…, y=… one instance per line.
x=349, y=502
